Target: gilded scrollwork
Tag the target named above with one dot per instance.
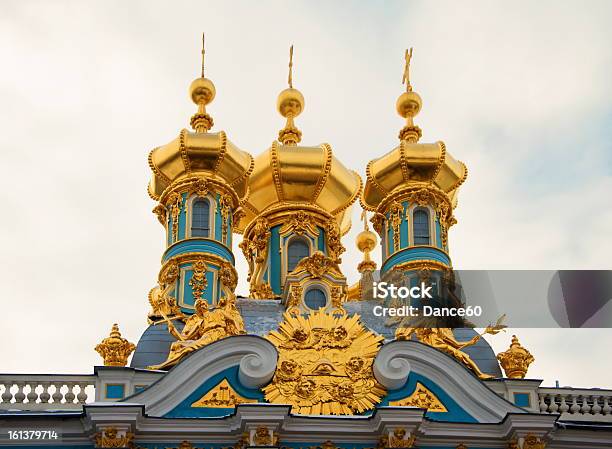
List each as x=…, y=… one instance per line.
x=334, y=244
x=225, y=206
x=255, y=250
x=294, y=299
x=300, y=223
x=318, y=265
x=222, y=395
x=325, y=365
x=198, y=282
x=400, y=439
x=176, y=203
x=338, y=296
x=395, y=218
x=161, y=213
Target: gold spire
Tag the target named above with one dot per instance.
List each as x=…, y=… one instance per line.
x=409, y=104
x=516, y=360
x=202, y=92
x=290, y=104
x=115, y=349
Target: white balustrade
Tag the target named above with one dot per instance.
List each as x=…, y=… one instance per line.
x=46, y=391
x=577, y=404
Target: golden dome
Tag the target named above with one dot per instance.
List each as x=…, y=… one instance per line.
x=305, y=177
x=414, y=163
x=288, y=176
x=193, y=153
x=200, y=152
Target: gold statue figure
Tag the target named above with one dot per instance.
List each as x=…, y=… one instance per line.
x=443, y=339
x=202, y=328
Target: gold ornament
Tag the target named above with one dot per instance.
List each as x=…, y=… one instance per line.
x=184, y=445
x=395, y=218
x=160, y=211
x=262, y=436
x=318, y=265
x=516, y=360
x=115, y=349
x=255, y=250
x=176, y=201
x=109, y=437
x=163, y=306
x=294, y=299
x=198, y=282
x=533, y=442
x=334, y=245
x=513, y=444
x=399, y=439
x=225, y=205
x=222, y=395
x=325, y=365
x=421, y=398
x=200, y=187
x=203, y=328
x=300, y=224
x=461, y=446
x=442, y=338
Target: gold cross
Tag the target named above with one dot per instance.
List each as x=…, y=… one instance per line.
x=290, y=80
x=406, y=76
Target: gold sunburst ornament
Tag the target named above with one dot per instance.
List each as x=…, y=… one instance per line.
x=325, y=365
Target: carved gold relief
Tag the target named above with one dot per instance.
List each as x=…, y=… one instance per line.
x=161, y=212
x=262, y=436
x=202, y=328
x=225, y=205
x=176, y=202
x=300, y=223
x=395, y=218
x=399, y=439
x=109, y=437
x=533, y=442
x=338, y=295
x=325, y=365
x=516, y=360
x=318, y=265
x=255, y=250
x=334, y=245
x=294, y=299
x=115, y=349
x=222, y=395
x=183, y=445
x=421, y=398
x=198, y=282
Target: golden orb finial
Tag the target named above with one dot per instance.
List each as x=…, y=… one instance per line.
x=516, y=360
x=115, y=349
x=409, y=104
x=202, y=92
x=290, y=104
x=366, y=242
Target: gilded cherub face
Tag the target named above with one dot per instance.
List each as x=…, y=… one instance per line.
x=201, y=307
x=288, y=366
x=305, y=388
x=355, y=364
x=290, y=106
x=399, y=433
x=345, y=391
x=300, y=336
x=340, y=333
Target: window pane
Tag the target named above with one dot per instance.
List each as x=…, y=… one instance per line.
x=315, y=299
x=420, y=227
x=200, y=215
x=298, y=249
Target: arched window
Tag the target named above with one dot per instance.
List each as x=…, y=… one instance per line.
x=200, y=218
x=420, y=227
x=315, y=299
x=298, y=249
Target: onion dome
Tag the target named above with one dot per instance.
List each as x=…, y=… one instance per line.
x=411, y=162
x=200, y=152
x=288, y=176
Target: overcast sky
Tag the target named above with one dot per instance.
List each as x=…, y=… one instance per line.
x=519, y=91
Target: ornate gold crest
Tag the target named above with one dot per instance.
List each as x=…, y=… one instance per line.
x=222, y=396
x=422, y=398
x=325, y=365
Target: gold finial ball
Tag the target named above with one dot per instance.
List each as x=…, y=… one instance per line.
x=409, y=104
x=202, y=91
x=366, y=241
x=290, y=102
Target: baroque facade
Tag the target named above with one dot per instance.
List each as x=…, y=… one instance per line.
x=302, y=362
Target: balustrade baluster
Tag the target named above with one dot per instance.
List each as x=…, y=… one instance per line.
x=57, y=394
x=575, y=408
x=586, y=408
x=82, y=396
x=7, y=395
x=553, y=404
x=543, y=405
x=596, y=409
x=20, y=395
x=563, y=408
x=44, y=394
x=69, y=396
x=32, y=395
x=606, y=406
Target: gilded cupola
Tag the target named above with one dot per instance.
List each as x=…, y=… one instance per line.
x=199, y=179
x=298, y=203
x=412, y=191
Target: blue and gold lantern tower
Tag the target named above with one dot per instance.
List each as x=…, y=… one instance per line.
x=412, y=191
x=199, y=179
x=297, y=210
